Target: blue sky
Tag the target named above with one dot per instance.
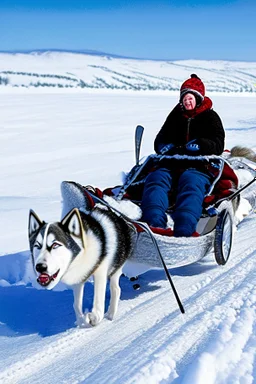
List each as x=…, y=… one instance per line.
x=173, y=30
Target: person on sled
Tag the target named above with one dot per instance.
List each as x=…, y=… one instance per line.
x=192, y=128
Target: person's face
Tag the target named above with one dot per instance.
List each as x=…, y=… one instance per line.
x=189, y=101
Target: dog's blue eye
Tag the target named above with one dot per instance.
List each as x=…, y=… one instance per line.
x=55, y=245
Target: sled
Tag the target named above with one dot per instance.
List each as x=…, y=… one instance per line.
x=215, y=227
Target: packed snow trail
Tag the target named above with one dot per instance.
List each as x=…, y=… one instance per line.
x=150, y=341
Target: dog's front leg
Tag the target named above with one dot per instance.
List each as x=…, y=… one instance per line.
x=97, y=314
x=115, y=292
x=78, y=292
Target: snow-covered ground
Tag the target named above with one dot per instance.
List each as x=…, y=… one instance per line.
x=47, y=137
x=70, y=70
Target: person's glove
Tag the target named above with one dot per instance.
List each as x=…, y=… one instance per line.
x=167, y=148
x=192, y=146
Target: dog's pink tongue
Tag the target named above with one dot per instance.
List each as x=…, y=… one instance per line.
x=43, y=278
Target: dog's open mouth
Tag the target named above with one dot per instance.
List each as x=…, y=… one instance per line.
x=44, y=279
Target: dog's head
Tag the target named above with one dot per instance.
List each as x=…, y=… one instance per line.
x=54, y=246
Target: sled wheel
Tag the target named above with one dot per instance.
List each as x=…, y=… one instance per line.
x=223, y=237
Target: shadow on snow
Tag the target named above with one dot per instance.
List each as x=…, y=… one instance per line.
x=27, y=310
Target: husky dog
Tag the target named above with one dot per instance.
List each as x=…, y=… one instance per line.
x=82, y=244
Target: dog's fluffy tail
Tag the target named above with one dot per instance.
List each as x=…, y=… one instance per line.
x=239, y=151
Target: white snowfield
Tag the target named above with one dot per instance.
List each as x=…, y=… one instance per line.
x=47, y=137
x=78, y=70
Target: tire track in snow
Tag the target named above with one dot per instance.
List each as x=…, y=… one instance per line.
x=229, y=357
x=152, y=344
x=185, y=340
x=231, y=286
x=249, y=261
x=170, y=334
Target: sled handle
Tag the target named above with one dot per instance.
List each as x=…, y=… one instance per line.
x=138, y=138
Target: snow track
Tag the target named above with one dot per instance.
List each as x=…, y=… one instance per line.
x=150, y=341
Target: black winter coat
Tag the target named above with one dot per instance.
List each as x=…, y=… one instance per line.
x=206, y=127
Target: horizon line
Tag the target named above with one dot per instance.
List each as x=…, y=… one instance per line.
x=93, y=52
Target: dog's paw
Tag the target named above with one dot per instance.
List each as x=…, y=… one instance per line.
x=110, y=315
x=81, y=322
x=93, y=318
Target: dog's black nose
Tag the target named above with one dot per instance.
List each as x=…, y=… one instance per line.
x=41, y=267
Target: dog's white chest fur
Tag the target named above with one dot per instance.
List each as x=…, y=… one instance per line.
x=84, y=263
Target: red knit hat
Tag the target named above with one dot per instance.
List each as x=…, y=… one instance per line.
x=193, y=85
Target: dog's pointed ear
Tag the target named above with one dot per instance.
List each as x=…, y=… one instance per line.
x=34, y=223
x=73, y=222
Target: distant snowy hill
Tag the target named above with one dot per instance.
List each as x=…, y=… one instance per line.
x=82, y=70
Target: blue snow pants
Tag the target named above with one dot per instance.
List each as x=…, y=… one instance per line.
x=192, y=187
